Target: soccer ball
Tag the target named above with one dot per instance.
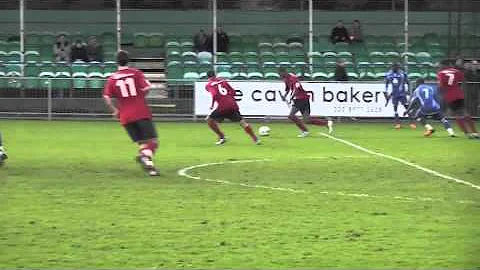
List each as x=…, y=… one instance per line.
x=264, y=131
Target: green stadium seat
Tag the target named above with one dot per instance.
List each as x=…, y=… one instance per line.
x=224, y=74
x=317, y=59
x=96, y=80
x=239, y=76
x=300, y=68
x=190, y=66
x=174, y=56
x=269, y=67
x=267, y=57
x=346, y=56
x=203, y=75
x=93, y=67
x=204, y=57
x=329, y=57
x=320, y=76
x=63, y=80
x=236, y=57
x=80, y=80
x=342, y=47
x=32, y=56
x=271, y=76
x=265, y=47
x=46, y=79
x=32, y=69
x=14, y=81
x=296, y=48
x=174, y=70
x=193, y=76
x=353, y=76
x=285, y=64
x=222, y=57
x=13, y=46
x=424, y=58
x=280, y=47
x=377, y=56
x=172, y=46
x=223, y=66
x=187, y=57
x=251, y=57
x=14, y=56
x=79, y=66
x=109, y=67
x=10, y=67
x=237, y=67
x=255, y=76
x=186, y=46
x=282, y=57
x=392, y=57
x=3, y=56
x=156, y=40
x=204, y=67
x=65, y=67
x=141, y=40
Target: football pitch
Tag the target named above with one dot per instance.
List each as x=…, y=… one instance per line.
x=72, y=196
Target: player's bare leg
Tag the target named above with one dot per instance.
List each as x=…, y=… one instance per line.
x=471, y=124
x=396, y=117
x=3, y=153
x=248, y=129
x=300, y=124
x=213, y=125
x=466, y=124
x=412, y=124
x=318, y=122
x=147, y=150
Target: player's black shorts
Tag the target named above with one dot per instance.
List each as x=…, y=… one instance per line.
x=141, y=130
x=302, y=105
x=233, y=115
x=457, y=105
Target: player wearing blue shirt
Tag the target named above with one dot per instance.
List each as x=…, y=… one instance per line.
x=424, y=103
x=398, y=94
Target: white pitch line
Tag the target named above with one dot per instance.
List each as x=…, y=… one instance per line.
x=184, y=172
x=416, y=166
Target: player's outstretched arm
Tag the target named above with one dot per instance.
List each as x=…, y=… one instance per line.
x=109, y=103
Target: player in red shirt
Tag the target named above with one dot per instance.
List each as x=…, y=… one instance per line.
x=449, y=79
x=224, y=106
x=129, y=87
x=301, y=103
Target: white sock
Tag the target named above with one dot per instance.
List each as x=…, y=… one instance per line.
x=428, y=127
x=450, y=131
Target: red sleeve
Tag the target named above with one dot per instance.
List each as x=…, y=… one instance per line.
x=142, y=83
x=230, y=89
x=440, y=80
x=109, y=88
x=461, y=76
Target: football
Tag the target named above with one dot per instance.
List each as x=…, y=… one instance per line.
x=264, y=131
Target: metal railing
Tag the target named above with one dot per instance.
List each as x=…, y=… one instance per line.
x=57, y=98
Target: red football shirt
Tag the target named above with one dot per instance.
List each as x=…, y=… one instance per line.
x=449, y=80
x=294, y=87
x=222, y=93
x=129, y=87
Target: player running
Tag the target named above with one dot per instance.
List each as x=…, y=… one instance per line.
x=397, y=78
x=129, y=87
x=425, y=103
x=301, y=103
x=3, y=153
x=224, y=106
x=449, y=79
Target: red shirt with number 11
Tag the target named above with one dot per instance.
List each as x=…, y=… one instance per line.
x=129, y=87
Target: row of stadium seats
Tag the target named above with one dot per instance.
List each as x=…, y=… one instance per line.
x=58, y=80
x=35, y=68
x=187, y=70
x=254, y=57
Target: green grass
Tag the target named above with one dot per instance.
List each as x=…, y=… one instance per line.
x=71, y=196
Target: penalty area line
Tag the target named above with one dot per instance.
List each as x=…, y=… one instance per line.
x=405, y=162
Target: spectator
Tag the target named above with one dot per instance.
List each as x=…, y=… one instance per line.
x=200, y=41
x=79, y=51
x=61, y=49
x=339, y=33
x=222, y=40
x=94, y=51
x=341, y=71
x=356, y=34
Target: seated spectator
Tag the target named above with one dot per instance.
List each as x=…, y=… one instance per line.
x=341, y=71
x=200, y=41
x=61, y=49
x=356, y=34
x=222, y=40
x=94, y=51
x=339, y=33
x=79, y=51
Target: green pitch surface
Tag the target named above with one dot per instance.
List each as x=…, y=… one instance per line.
x=72, y=196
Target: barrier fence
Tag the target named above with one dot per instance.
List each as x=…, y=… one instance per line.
x=54, y=98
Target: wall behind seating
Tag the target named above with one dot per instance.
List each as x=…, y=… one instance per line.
x=241, y=22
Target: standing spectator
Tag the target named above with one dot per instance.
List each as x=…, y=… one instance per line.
x=222, y=40
x=61, y=49
x=341, y=71
x=94, y=51
x=79, y=51
x=356, y=34
x=339, y=33
x=200, y=41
